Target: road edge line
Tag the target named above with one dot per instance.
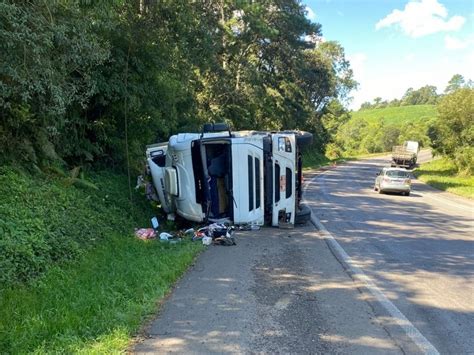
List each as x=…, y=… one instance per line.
x=410, y=330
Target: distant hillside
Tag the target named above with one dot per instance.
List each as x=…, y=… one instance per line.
x=401, y=114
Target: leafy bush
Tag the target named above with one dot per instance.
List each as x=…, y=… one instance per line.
x=464, y=160
x=45, y=220
x=452, y=134
x=333, y=151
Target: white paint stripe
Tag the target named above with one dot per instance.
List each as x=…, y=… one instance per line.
x=412, y=332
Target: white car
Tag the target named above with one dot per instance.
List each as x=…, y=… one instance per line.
x=245, y=177
x=393, y=180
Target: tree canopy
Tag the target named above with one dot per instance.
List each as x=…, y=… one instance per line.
x=452, y=134
x=89, y=82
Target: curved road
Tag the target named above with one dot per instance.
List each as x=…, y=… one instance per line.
x=418, y=250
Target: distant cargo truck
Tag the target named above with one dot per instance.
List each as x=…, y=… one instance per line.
x=405, y=155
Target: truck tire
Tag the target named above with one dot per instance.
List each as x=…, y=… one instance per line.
x=303, y=138
x=303, y=215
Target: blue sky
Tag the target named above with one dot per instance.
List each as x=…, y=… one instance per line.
x=393, y=45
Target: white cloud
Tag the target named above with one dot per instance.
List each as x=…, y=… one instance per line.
x=421, y=18
x=451, y=42
x=310, y=14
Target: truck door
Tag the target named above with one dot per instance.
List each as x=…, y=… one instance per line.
x=156, y=160
x=284, y=183
x=247, y=181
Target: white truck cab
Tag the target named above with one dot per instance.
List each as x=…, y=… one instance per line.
x=244, y=177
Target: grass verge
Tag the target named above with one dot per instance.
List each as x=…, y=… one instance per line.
x=95, y=304
x=441, y=174
x=314, y=160
x=73, y=278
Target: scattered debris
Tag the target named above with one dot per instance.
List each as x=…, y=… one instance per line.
x=217, y=233
x=165, y=236
x=140, y=182
x=206, y=240
x=145, y=233
x=154, y=223
x=148, y=187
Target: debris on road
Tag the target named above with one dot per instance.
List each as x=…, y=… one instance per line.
x=217, y=233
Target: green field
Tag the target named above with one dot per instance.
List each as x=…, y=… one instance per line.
x=402, y=114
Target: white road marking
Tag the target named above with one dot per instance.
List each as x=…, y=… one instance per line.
x=412, y=332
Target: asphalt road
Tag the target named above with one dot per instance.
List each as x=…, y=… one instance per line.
x=418, y=250
x=283, y=291
x=277, y=292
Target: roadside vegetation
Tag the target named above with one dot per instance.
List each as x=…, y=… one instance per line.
x=443, y=175
x=74, y=278
x=95, y=304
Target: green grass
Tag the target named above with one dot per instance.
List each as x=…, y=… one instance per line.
x=96, y=304
x=399, y=115
x=441, y=174
x=314, y=160
x=73, y=277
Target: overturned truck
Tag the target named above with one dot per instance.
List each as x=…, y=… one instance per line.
x=243, y=177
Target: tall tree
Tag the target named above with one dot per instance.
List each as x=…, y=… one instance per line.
x=455, y=83
x=453, y=133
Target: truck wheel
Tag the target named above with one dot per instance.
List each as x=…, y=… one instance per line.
x=303, y=215
x=303, y=138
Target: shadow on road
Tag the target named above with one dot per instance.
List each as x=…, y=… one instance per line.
x=420, y=252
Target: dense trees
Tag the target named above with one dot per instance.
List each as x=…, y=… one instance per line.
x=426, y=95
x=84, y=82
x=452, y=134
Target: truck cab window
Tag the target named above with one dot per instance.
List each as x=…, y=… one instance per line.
x=250, y=177
x=257, y=183
x=289, y=182
x=277, y=182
